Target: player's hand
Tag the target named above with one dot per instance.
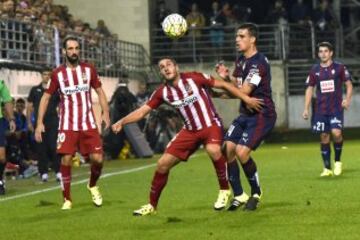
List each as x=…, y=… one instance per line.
x=106, y=119
x=38, y=132
x=116, y=127
x=254, y=103
x=305, y=114
x=345, y=104
x=12, y=125
x=222, y=70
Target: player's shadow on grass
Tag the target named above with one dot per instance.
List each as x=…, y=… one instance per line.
x=44, y=203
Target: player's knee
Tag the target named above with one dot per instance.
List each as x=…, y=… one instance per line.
x=324, y=138
x=337, y=137
x=163, y=165
x=214, y=153
x=66, y=160
x=96, y=158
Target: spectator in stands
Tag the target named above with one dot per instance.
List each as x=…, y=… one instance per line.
x=241, y=13
x=160, y=13
x=324, y=18
x=230, y=19
x=195, y=19
x=299, y=13
x=9, y=8
x=102, y=28
x=278, y=13
x=217, y=22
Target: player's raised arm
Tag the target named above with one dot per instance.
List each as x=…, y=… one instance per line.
x=44, y=102
x=253, y=103
x=134, y=116
x=104, y=106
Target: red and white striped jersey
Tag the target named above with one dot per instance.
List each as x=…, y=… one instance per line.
x=191, y=99
x=74, y=86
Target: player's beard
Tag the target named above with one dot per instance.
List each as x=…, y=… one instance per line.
x=73, y=60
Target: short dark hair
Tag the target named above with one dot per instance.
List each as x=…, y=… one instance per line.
x=168, y=57
x=325, y=44
x=70, y=38
x=20, y=100
x=252, y=29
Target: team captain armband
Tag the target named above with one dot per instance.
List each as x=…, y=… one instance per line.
x=253, y=76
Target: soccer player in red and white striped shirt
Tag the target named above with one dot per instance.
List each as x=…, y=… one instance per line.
x=188, y=93
x=77, y=126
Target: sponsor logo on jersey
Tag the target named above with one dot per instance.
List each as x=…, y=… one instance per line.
x=327, y=86
x=76, y=89
x=185, y=102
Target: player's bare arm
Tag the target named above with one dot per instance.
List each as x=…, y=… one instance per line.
x=242, y=94
x=44, y=102
x=9, y=109
x=349, y=89
x=134, y=116
x=308, y=95
x=29, y=112
x=105, y=117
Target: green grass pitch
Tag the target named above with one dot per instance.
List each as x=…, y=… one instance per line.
x=296, y=204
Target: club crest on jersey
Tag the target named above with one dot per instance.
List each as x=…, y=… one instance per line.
x=333, y=71
x=84, y=78
x=188, y=89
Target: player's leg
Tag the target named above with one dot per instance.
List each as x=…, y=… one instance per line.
x=66, y=147
x=325, y=154
x=338, y=144
x=250, y=169
x=96, y=165
x=179, y=149
x=90, y=144
x=65, y=169
x=164, y=164
x=232, y=137
x=219, y=162
x=240, y=197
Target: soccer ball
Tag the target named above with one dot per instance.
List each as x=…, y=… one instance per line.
x=174, y=26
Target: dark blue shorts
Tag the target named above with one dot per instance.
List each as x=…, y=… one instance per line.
x=250, y=130
x=325, y=123
x=2, y=132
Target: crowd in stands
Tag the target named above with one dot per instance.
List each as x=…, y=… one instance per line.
x=45, y=12
x=229, y=13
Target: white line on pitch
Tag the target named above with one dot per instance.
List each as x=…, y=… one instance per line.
x=106, y=175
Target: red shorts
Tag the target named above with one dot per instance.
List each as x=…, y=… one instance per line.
x=86, y=142
x=187, y=142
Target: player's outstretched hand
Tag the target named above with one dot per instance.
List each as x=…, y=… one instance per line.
x=305, y=114
x=106, y=120
x=38, y=131
x=116, y=127
x=345, y=104
x=255, y=104
x=222, y=70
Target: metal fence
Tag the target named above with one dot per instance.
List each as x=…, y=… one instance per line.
x=277, y=42
x=40, y=45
